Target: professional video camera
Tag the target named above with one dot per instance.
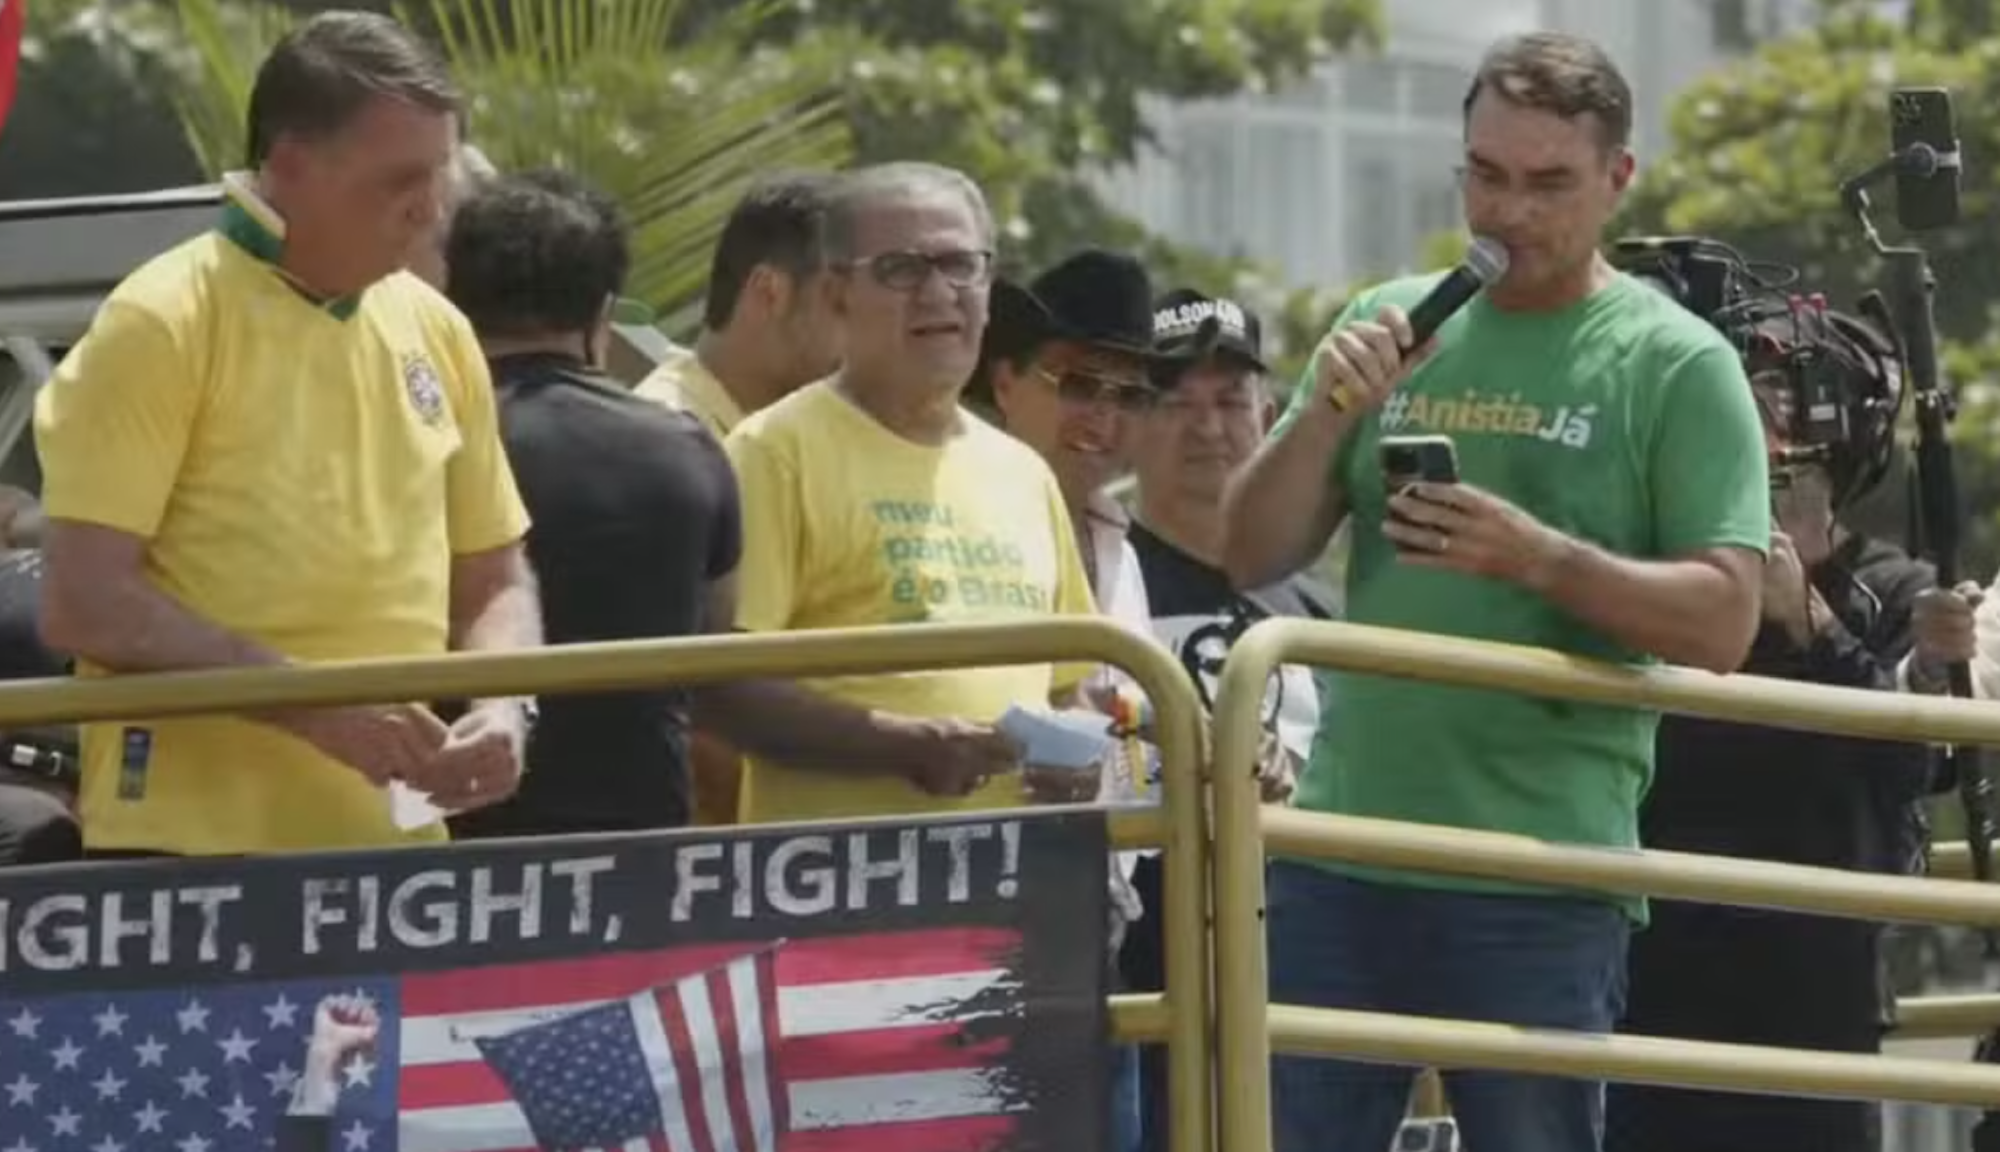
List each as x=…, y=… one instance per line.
x=1828, y=382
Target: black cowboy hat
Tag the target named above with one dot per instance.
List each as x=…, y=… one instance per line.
x=1096, y=298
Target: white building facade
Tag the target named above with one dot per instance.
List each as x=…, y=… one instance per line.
x=1345, y=176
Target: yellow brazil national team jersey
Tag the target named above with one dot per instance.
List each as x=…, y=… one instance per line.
x=848, y=525
x=303, y=473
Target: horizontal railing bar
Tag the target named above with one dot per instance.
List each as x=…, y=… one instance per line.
x=1244, y=831
x=1449, y=1044
x=577, y=668
x=1672, y=875
x=1746, y=699
x=1945, y=1017
x=1132, y=828
x=1140, y=1018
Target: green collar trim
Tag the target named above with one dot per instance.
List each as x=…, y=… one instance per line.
x=255, y=227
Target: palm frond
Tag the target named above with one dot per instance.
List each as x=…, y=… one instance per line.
x=674, y=122
x=674, y=127
x=213, y=97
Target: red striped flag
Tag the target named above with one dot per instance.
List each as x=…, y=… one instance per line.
x=877, y=1046
x=684, y=1068
x=13, y=20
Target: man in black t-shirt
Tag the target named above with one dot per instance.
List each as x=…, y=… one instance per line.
x=1213, y=412
x=636, y=526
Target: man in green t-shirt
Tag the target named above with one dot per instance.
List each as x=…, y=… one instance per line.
x=1614, y=504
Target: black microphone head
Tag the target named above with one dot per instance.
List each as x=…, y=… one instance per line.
x=1487, y=259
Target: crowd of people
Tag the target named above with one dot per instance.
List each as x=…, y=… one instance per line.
x=369, y=415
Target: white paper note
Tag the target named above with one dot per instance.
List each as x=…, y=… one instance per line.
x=1075, y=738
x=411, y=809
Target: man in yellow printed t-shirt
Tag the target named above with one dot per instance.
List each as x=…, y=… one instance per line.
x=765, y=335
x=273, y=446
x=765, y=328
x=874, y=498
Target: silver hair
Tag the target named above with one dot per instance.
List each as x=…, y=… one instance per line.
x=862, y=189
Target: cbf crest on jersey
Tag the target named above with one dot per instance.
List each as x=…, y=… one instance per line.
x=425, y=389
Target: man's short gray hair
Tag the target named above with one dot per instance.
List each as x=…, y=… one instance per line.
x=864, y=188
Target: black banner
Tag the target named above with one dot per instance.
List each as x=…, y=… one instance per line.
x=875, y=986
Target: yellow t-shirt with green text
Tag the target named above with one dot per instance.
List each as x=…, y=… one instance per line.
x=847, y=525
x=302, y=474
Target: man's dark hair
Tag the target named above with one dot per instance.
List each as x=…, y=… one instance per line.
x=1564, y=75
x=536, y=254
x=323, y=72
x=777, y=223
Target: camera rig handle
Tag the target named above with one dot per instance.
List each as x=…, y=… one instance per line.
x=1936, y=519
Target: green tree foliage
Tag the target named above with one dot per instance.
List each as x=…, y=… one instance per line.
x=1758, y=153
x=1032, y=97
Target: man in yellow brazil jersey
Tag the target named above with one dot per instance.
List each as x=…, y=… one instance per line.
x=273, y=446
x=873, y=498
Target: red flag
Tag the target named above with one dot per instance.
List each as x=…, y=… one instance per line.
x=12, y=18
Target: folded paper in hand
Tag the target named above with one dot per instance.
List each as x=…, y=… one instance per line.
x=411, y=809
x=1074, y=738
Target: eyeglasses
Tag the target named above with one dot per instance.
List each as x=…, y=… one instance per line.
x=909, y=271
x=1087, y=389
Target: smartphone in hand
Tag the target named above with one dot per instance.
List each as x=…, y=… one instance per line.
x=1408, y=460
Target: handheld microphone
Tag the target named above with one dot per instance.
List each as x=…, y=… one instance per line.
x=1485, y=263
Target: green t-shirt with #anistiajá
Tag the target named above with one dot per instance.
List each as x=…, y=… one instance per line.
x=1622, y=420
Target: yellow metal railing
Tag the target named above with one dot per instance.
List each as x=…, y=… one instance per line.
x=1180, y=1018
x=1946, y=1017
x=1952, y=859
x=1248, y=1028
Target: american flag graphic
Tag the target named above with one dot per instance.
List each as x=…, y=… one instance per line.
x=685, y=1068
x=884, y=1043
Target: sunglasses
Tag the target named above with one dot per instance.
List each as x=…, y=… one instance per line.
x=1087, y=389
x=909, y=271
